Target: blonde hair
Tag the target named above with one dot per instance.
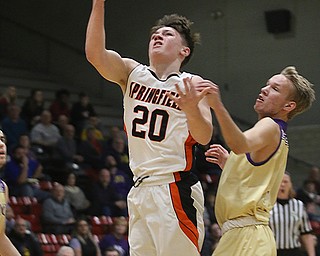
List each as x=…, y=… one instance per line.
x=303, y=94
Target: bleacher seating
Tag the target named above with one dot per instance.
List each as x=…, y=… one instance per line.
x=25, y=205
x=100, y=225
x=49, y=243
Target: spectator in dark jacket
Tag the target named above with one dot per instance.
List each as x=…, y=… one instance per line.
x=105, y=201
x=24, y=240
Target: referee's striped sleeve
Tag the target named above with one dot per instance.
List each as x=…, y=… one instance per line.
x=306, y=225
x=288, y=221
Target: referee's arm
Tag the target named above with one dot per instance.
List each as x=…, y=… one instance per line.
x=308, y=242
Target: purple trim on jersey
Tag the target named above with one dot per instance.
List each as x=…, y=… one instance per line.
x=2, y=186
x=283, y=127
x=282, y=124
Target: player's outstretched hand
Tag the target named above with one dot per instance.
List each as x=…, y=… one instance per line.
x=212, y=92
x=217, y=154
x=189, y=96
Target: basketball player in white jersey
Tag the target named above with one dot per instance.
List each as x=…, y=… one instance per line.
x=253, y=171
x=6, y=247
x=166, y=203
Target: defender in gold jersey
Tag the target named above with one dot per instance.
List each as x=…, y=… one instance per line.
x=253, y=171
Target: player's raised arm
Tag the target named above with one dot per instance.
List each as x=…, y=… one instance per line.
x=107, y=62
x=264, y=134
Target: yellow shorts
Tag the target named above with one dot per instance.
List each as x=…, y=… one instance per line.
x=255, y=240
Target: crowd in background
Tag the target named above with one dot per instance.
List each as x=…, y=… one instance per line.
x=65, y=143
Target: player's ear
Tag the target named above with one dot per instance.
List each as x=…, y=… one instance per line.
x=185, y=51
x=290, y=106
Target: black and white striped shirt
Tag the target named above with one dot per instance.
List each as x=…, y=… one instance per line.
x=289, y=220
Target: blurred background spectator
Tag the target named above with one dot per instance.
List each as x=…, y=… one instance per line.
x=65, y=251
x=120, y=180
x=57, y=215
x=60, y=105
x=68, y=149
x=76, y=197
x=13, y=125
x=22, y=175
x=105, y=201
x=45, y=133
x=92, y=150
x=9, y=97
x=24, y=240
x=81, y=111
x=33, y=107
x=111, y=251
x=82, y=240
x=117, y=238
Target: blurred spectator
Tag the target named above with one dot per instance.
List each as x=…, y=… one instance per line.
x=314, y=217
x=75, y=195
x=104, y=199
x=216, y=234
x=82, y=240
x=24, y=240
x=308, y=193
x=119, y=179
x=62, y=122
x=10, y=219
x=33, y=107
x=22, y=175
x=210, y=199
x=314, y=175
x=67, y=147
x=45, y=133
x=211, y=240
x=92, y=150
x=117, y=238
x=31, y=152
x=57, y=215
x=81, y=111
x=119, y=151
x=13, y=126
x=65, y=251
x=60, y=105
x=114, y=132
x=212, y=230
x=111, y=251
x=94, y=123
x=9, y=97
x=209, y=204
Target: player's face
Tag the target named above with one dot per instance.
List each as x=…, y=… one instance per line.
x=165, y=45
x=274, y=97
x=3, y=149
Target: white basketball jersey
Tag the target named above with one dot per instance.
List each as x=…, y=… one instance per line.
x=158, y=135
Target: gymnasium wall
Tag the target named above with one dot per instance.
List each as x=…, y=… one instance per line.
x=237, y=51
